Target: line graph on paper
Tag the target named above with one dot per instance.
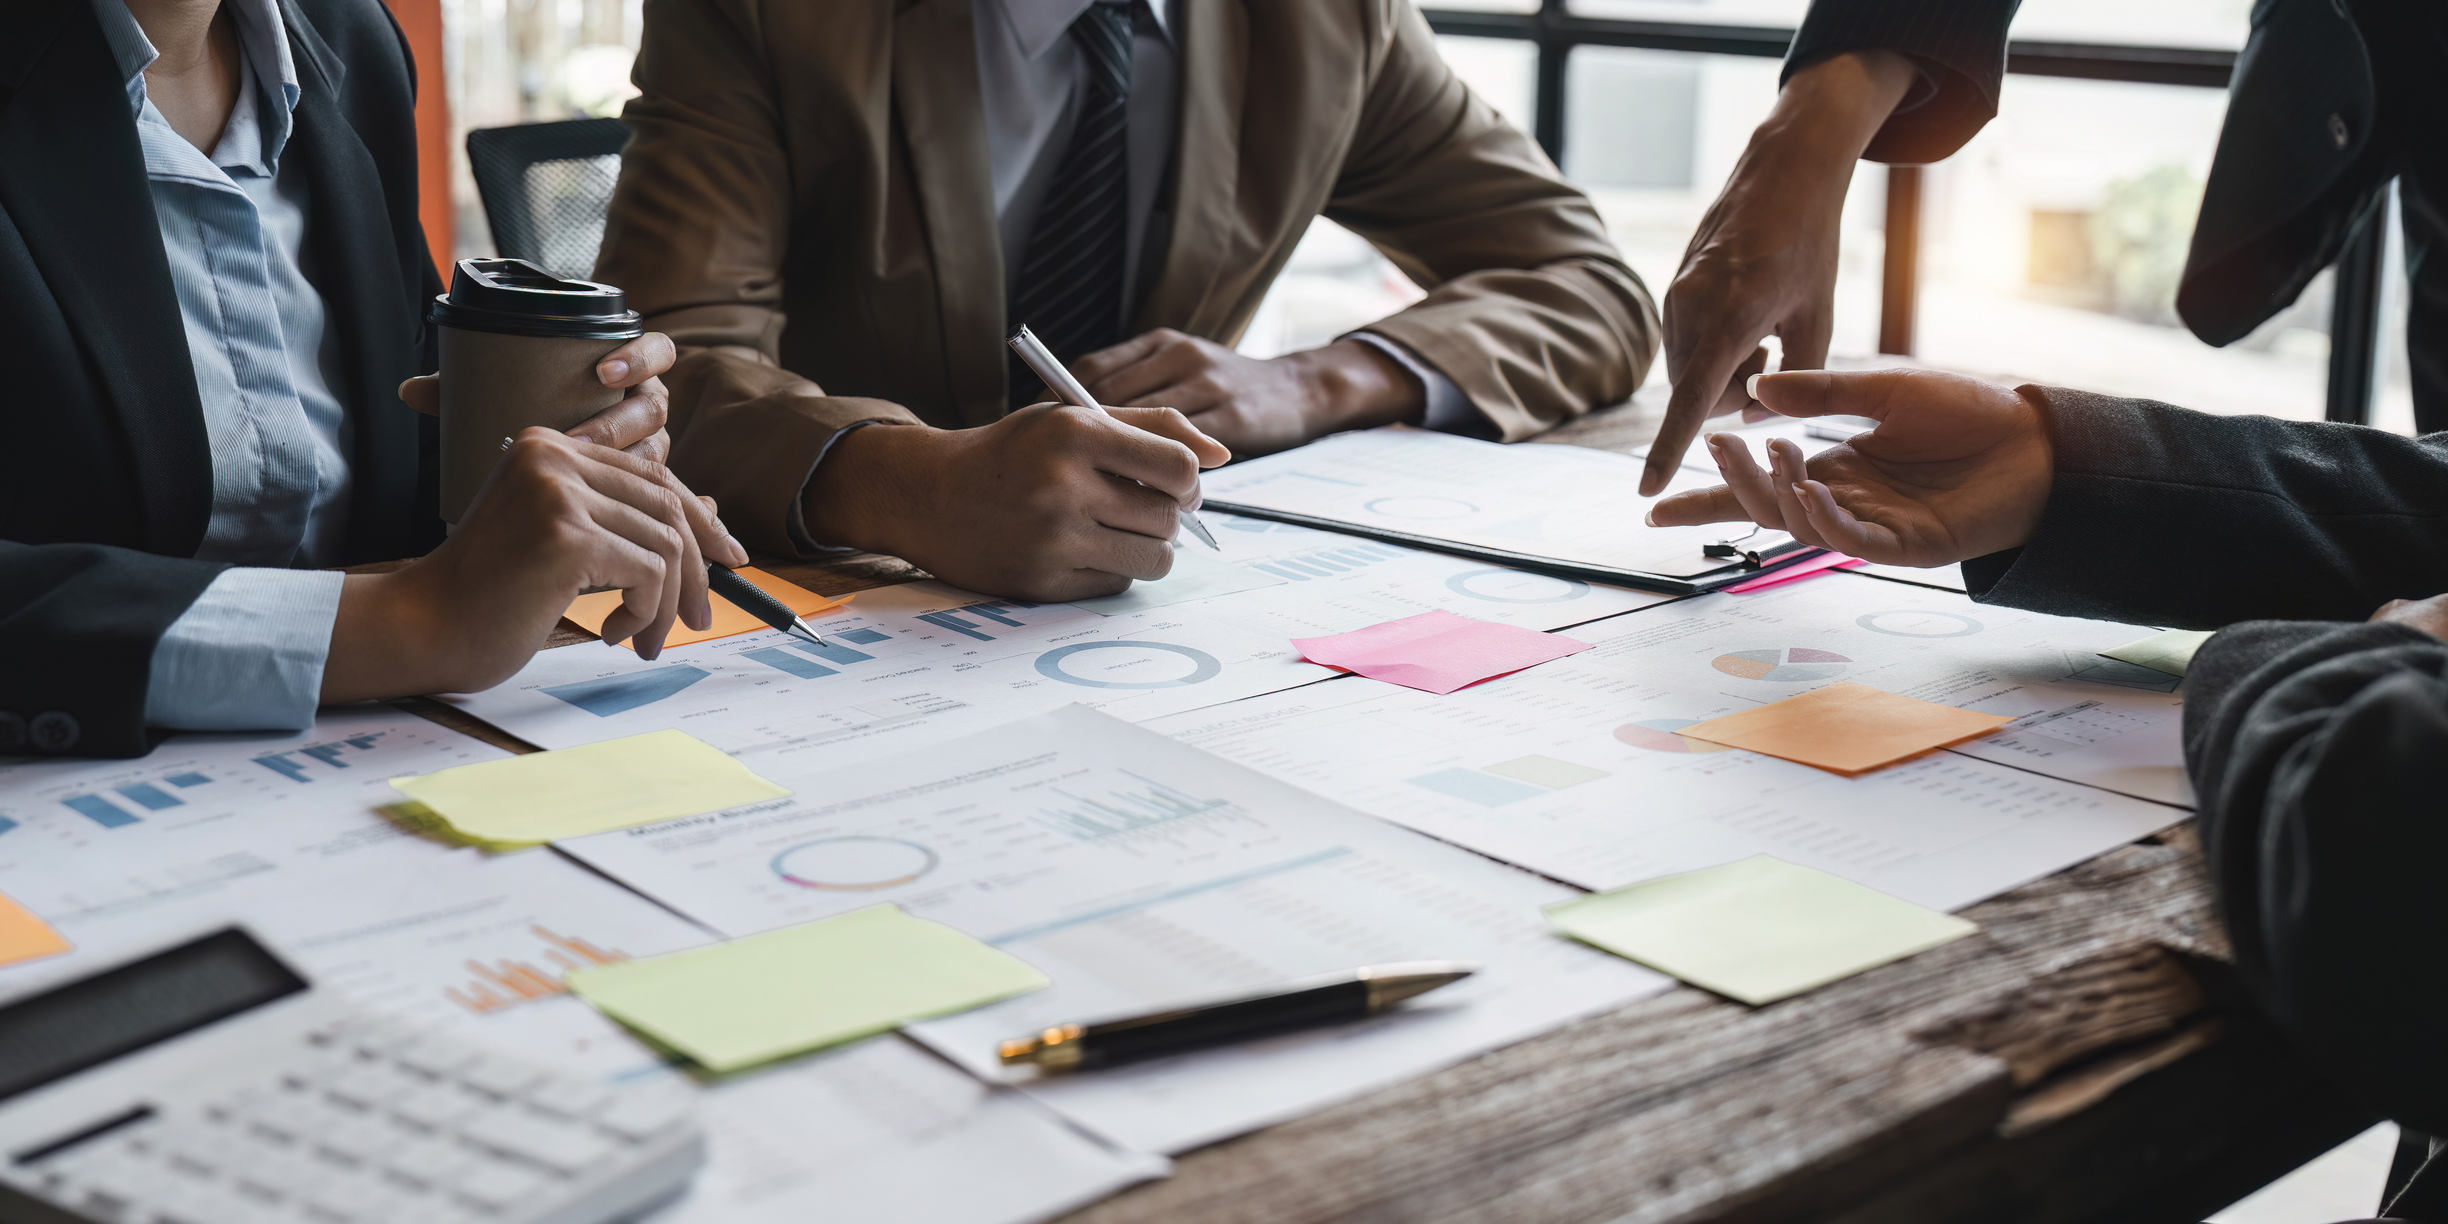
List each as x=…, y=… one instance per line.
x=501, y=984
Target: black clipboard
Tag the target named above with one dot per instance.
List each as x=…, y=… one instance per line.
x=1752, y=565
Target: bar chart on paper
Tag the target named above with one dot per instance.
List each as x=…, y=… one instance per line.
x=204, y=811
x=313, y=762
x=973, y=620
x=905, y=665
x=508, y=982
x=124, y=803
x=1121, y=802
x=479, y=944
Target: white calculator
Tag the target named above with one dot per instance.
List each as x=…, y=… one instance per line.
x=210, y=1084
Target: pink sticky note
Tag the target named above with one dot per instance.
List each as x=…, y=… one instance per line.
x=1794, y=573
x=1437, y=652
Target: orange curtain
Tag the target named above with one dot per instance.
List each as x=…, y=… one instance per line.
x=421, y=20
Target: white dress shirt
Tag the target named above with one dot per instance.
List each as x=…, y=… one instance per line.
x=249, y=653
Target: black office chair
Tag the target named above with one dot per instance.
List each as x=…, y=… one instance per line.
x=545, y=187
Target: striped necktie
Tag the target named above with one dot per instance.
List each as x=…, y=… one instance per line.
x=1070, y=289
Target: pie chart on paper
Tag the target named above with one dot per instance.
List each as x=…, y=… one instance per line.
x=1658, y=735
x=1793, y=665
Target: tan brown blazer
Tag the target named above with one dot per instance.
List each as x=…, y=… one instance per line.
x=806, y=208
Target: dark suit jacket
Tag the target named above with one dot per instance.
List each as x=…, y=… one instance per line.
x=106, y=482
x=2321, y=755
x=2307, y=148
x=2318, y=745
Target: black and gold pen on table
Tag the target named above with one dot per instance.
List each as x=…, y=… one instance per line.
x=753, y=600
x=1308, y=1003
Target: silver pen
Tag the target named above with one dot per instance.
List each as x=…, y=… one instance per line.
x=1041, y=360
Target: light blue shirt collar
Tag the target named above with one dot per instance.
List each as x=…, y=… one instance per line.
x=252, y=139
x=1042, y=23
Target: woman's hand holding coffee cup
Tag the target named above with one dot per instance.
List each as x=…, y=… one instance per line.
x=635, y=425
x=558, y=516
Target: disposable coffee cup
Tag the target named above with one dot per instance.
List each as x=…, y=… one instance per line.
x=519, y=347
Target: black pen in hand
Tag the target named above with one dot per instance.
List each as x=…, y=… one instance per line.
x=753, y=600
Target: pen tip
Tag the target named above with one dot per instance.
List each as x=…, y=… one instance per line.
x=1391, y=984
x=1197, y=528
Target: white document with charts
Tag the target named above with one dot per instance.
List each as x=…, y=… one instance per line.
x=1139, y=873
x=1575, y=769
x=1567, y=503
x=919, y=662
x=280, y=833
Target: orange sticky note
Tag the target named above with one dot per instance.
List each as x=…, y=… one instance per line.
x=24, y=937
x=1845, y=728
x=590, y=612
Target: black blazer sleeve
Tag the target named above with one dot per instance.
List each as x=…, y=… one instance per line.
x=1959, y=46
x=2161, y=516
x=84, y=619
x=2320, y=755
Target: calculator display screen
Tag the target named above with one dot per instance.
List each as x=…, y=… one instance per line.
x=93, y=1020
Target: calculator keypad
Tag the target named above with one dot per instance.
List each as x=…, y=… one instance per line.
x=368, y=1123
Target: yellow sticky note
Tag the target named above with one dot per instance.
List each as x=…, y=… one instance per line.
x=569, y=792
x=589, y=612
x=24, y=937
x=1757, y=930
x=804, y=987
x=1845, y=728
x=2170, y=650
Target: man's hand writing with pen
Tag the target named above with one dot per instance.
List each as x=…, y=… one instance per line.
x=1050, y=503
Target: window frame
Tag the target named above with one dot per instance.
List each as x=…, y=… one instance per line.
x=1556, y=31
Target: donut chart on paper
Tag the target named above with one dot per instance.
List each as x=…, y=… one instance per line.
x=1918, y=623
x=1203, y=666
x=1514, y=586
x=854, y=864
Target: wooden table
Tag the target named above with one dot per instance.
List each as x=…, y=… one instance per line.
x=2086, y=1057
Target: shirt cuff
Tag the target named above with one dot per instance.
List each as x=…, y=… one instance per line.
x=796, y=521
x=1447, y=409
x=248, y=654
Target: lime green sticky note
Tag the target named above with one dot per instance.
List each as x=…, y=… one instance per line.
x=804, y=987
x=528, y=800
x=2169, y=650
x=1757, y=930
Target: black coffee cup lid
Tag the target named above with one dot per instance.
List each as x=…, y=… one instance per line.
x=517, y=297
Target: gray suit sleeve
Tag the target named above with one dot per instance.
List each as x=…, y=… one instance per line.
x=2319, y=752
x=1959, y=46
x=2161, y=516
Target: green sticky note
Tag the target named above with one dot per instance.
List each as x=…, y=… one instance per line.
x=1757, y=930
x=528, y=800
x=2169, y=650
x=804, y=987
